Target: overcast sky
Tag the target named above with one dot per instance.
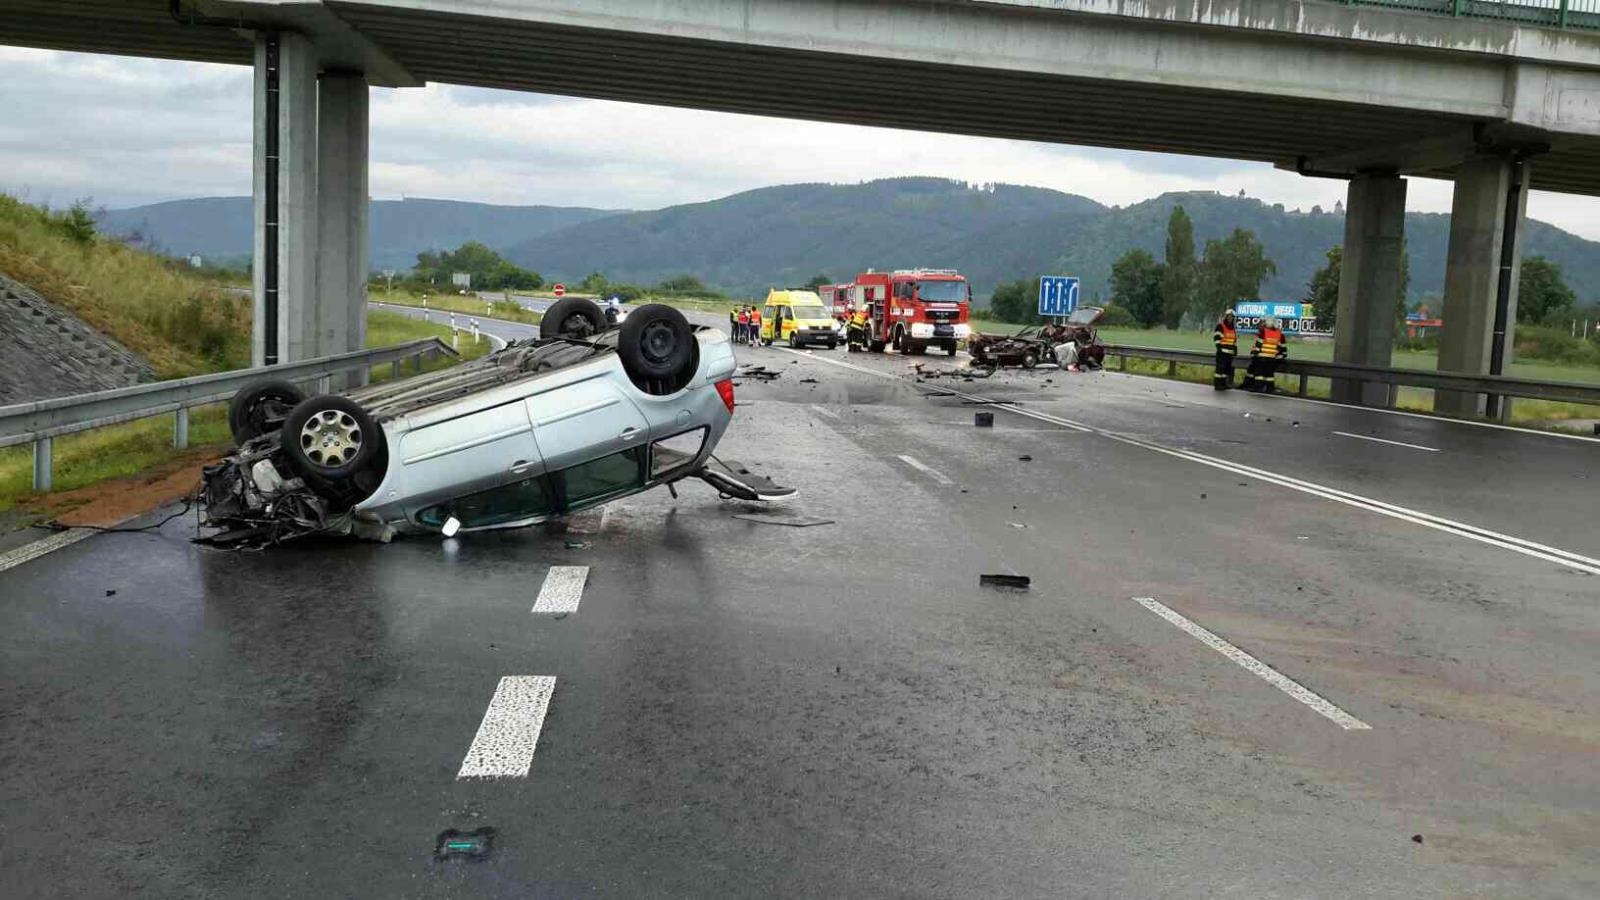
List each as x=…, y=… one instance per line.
x=128, y=131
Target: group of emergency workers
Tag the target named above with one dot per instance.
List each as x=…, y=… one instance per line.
x=1271, y=346
x=746, y=324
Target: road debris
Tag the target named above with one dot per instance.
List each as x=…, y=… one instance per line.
x=792, y=521
x=983, y=419
x=473, y=845
x=809, y=381
x=1025, y=458
x=760, y=373
x=1006, y=582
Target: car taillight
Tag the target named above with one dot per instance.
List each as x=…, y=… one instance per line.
x=725, y=391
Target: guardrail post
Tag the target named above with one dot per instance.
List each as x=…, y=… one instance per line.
x=416, y=363
x=1394, y=396
x=1302, y=389
x=394, y=369
x=1561, y=17
x=180, y=428
x=324, y=384
x=41, y=463
x=1455, y=7
x=1172, y=368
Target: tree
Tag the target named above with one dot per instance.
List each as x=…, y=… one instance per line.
x=78, y=223
x=1543, y=298
x=1136, y=285
x=1177, y=283
x=1016, y=301
x=1232, y=270
x=818, y=280
x=1322, y=292
x=593, y=283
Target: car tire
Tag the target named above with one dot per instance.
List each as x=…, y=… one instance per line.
x=329, y=440
x=256, y=407
x=794, y=341
x=1030, y=359
x=977, y=354
x=949, y=349
x=573, y=317
x=917, y=348
x=658, y=349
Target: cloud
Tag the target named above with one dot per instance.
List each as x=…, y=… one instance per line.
x=129, y=131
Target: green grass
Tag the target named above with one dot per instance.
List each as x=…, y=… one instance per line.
x=464, y=305
x=181, y=324
x=119, y=451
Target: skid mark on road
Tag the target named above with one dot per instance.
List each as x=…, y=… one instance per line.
x=563, y=588
x=1363, y=437
x=1270, y=675
x=925, y=469
x=504, y=744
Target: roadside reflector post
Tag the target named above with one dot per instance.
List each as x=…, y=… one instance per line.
x=180, y=428
x=41, y=463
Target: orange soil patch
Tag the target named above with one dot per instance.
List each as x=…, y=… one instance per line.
x=117, y=499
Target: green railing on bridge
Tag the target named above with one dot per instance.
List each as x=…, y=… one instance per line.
x=1553, y=13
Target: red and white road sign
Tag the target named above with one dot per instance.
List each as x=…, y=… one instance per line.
x=559, y=290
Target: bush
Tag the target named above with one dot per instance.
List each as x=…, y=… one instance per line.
x=1554, y=345
x=1117, y=317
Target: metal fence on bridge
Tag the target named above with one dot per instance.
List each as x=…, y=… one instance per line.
x=41, y=421
x=1554, y=13
x=1394, y=379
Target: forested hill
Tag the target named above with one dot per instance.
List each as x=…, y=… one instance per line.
x=784, y=235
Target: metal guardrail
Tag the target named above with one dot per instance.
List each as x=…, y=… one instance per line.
x=40, y=421
x=1553, y=13
x=1498, y=385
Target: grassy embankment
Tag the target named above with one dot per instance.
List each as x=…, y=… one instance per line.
x=183, y=325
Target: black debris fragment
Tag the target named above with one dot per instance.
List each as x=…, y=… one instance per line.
x=1008, y=582
x=809, y=381
x=1025, y=458
x=1416, y=839
x=760, y=373
x=1202, y=496
x=983, y=419
x=577, y=545
x=111, y=592
x=473, y=845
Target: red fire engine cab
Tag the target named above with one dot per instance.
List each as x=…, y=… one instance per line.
x=836, y=299
x=914, y=309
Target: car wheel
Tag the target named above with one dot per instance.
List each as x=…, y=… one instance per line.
x=794, y=340
x=1030, y=359
x=976, y=351
x=329, y=440
x=949, y=349
x=658, y=348
x=917, y=348
x=573, y=317
x=261, y=407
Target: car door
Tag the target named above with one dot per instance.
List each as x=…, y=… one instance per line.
x=468, y=453
x=584, y=420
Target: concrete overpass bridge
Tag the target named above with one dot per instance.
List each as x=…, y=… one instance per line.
x=1370, y=94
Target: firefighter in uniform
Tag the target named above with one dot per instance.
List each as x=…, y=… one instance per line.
x=1270, y=346
x=1226, y=337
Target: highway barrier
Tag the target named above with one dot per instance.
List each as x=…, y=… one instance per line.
x=40, y=421
x=1394, y=379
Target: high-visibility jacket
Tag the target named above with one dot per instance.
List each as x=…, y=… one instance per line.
x=1270, y=343
x=744, y=318
x=1226, y=337
x=859, y=317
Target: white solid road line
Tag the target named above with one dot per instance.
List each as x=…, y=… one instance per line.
x=1270, y=675
x=48, y=544
x=1439, y=523
x=1446, y=420
x=824, y=411
x=504, y=744
x=925, y=469
x=563, y=588
x=1363, y=437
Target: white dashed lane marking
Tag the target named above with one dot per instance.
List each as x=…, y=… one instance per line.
x=503, y=747
x=925, y=469
x=563, y=588
x=824, y=411
x=1363, y=437
x=44, y=545
x=1270, y=675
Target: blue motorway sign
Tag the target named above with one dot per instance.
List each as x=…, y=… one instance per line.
x=1058, y=295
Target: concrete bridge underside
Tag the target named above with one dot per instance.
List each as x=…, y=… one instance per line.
x=1370, y=94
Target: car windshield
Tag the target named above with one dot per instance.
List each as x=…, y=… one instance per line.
x=942, y=291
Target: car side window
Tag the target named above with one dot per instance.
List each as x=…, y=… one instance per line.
x=595, y=480
x=786, y=312
x=525, y=499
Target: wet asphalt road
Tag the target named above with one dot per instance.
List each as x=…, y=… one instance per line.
x=751, y=710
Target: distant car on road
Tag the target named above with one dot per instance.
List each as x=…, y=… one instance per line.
x=538, y=430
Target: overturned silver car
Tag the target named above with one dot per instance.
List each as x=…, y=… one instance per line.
x=538, y=430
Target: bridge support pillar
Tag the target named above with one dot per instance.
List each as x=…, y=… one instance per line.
x=340, y=317
x=1369, y=282
x=310, y=205
x=1490, y=200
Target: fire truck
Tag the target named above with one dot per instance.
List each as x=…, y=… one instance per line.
x=914, y=309
x=836, y=299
